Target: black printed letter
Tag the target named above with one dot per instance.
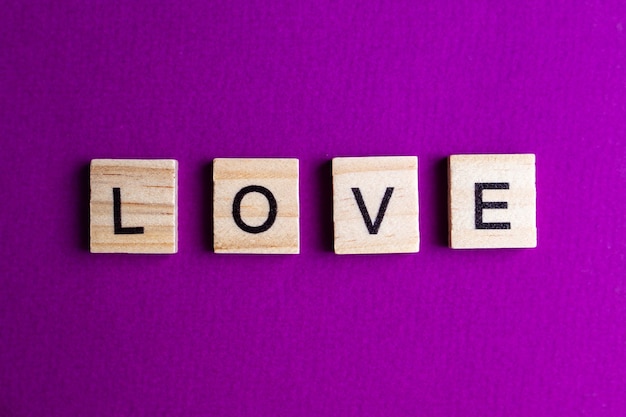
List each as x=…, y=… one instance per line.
x=372, y=228
x=117, y=217
x=271, y=216
x=480, y=205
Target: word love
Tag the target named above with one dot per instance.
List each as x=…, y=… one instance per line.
x=492, y=204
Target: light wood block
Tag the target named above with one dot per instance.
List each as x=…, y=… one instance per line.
x=256, y=206
x=492, y=201
x=375, y=205
x=133, y=206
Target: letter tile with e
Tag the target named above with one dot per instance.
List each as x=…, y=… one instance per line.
x=256, y=206
x=375, y=205
x=492, y=201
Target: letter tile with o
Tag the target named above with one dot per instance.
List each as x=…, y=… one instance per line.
x=256, y=206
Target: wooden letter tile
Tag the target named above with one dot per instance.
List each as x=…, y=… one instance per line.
x=492, y=201
x=256, y=206
x=375, y=205
x=133, y=206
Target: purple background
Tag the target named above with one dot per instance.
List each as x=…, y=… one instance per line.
x=538, y=332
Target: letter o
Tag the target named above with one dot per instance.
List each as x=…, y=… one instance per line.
x=271, y=216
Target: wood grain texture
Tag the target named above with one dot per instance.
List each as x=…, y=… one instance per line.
x=375, y=178
x=512, y=178
x=148, y=200
x=231, y=178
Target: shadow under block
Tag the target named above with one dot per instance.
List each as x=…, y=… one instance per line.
x=133, y=206
x=375, y=205
x=256, y=206
x=492, y=201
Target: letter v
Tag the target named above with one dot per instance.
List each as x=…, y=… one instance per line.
x=372, y=228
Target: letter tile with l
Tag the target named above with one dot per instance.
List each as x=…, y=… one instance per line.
x=133, y=206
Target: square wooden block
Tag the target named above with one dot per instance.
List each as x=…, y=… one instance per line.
x=133, y=206
x=256, y=206
x=492, y=201
x=375, y=205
